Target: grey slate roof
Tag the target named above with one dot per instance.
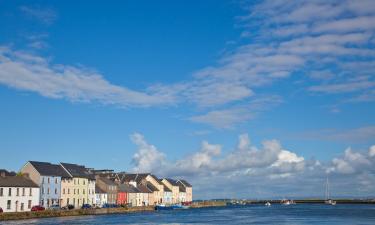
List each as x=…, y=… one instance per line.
x=78, y=171
x=137, y=177
x=144, y=189
x=150, y=186
x=166, y=189
x=173, y=182
x=106, y=181
x=99, y=190
x=48, y=169
x=17, y=181
x=185, y=183
x=181, y=187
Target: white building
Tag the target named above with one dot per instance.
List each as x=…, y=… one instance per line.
x=101, y=197
x=18, y=194
x=91, y=196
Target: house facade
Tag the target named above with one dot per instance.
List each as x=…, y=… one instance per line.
x=18, y=194
x=173, y=185
x=167, y=199
x=101, y=196
x=109, y=186
x=48, y=177
x=77, y=187
x=188, y=190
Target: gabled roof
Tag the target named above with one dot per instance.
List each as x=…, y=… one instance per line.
x=150, y=186
x=77, y=171
x=144, y=189
x=166, y=189
x=99, y=190
x=129, y=188
x=137, y=177
x=181, y=187
x=106, y=181
x=185, y=183
x=17, y=181
x=48, y=169
x=173, y=182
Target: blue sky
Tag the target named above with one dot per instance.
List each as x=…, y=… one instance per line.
x=272, y=91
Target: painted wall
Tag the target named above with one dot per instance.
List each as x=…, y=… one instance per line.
x=91, y=192
x=50, y=190
x=20, y=202
x=167, y=197
x=101, y=199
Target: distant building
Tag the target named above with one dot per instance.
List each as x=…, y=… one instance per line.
x=109, y=186
x=6, y=173
x=122, y=194
x=188, y=190
x=175, y=187
x=18, y=193
x=48, y=177
x=101, y=196
x=167, y=199
x=148, y=180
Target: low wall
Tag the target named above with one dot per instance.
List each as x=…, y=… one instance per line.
x=76, y=212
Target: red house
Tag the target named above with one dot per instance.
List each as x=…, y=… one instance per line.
x=122, y=195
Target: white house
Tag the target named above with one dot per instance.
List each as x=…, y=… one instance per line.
x=18, y=194
x=101, y=196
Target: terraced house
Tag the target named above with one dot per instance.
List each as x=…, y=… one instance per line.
x=175, y=187
x=188, y=190
x=79, y=187
x=48, y=177
x=17, y=193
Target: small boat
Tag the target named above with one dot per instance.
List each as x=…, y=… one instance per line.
x=287, y=202
x=171, y=207
x=328, y=200
x=267, y=204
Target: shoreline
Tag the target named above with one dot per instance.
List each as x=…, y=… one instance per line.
x=90, y=212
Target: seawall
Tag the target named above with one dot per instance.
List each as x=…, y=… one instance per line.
x=83, y=212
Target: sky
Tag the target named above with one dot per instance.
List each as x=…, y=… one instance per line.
x=245, y=99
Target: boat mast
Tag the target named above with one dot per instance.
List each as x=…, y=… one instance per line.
x=327, y=189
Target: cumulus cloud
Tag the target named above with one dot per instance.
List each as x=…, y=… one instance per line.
x=269, y=171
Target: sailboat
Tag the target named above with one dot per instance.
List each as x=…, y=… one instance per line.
x=328, y=200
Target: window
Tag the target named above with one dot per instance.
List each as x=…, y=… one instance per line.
x=83, y=191
x=74, y=191
x=23, y=191
x=56, y=191
x=55, y=180
x=30, y=191
x=78, y=183
x=68, y=191
x=64, y=191
x=77, y=191
x=47, y=202
x=10, y=192
x=43, y=180
x=42, y=190
x=83, y=182
x=48, y=191
x=18, y=192
x=48, y=179
x=29, y=204
x=67, y=201
x=22, y=206
x=74, y=201
x=8, y=204
x=1, y=191
x=74, y=181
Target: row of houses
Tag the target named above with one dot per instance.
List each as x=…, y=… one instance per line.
x=50, y=185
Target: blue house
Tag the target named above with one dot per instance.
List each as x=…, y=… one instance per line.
x=48, y=176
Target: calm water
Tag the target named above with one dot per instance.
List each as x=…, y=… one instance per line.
x=254, y=214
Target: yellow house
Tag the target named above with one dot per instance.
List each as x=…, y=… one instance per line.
x=80, y=188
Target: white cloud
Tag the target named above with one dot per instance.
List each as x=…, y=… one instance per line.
x=28, y=72
x=371, y=151
x=147, y=158
x=268, y=171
